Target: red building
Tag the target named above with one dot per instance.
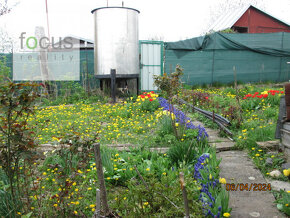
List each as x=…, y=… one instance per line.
x=250, y=19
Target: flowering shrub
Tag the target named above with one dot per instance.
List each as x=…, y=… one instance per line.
x=182, y=119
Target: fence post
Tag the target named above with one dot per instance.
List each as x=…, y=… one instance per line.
x=184, y=193
x=113, y=85
x=100, y=173
x=98, y=204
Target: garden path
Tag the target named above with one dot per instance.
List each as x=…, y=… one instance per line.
x=236, y=167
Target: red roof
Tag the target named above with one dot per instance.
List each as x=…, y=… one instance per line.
x=250, y=19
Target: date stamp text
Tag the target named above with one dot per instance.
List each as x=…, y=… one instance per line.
x=248, y=187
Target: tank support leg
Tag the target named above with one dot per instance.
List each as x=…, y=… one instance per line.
x=113, y=85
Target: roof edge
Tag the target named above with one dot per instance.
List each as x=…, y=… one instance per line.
x=268, y=14
x=114, y=7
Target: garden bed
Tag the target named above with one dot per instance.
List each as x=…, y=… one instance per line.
x=65, y=182
x=253, y=112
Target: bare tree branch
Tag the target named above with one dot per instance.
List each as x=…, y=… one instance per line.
x=4, y=8
x=6, y=42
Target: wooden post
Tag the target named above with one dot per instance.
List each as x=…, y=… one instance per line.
x=87, y=72
x=138, y=85
x=101, y=85
x=101, y=179
x=113, y=85
x=183, y=188
x=98, y=204
x=240, y=118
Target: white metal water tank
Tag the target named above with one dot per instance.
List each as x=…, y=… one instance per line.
x=116, y=40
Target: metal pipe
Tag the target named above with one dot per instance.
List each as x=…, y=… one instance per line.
x=215, y=118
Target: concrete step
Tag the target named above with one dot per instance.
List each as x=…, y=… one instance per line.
x=224, y=146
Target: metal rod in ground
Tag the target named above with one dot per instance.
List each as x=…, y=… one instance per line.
x=99, y=166
x=113, y=85
x=184, y=193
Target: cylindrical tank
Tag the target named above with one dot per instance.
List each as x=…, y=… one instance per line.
x=116, y=40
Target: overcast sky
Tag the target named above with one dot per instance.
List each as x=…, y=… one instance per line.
x=169, y=19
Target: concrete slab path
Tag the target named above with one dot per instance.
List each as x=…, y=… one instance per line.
x=236, y=167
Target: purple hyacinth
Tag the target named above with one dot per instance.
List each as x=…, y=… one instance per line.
x=182, y=118
x=205, y=196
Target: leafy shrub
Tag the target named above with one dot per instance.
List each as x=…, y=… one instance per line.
x=17, y=137
x=169, y=84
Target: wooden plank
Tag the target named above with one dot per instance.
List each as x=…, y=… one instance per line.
x=281, y=117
